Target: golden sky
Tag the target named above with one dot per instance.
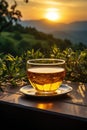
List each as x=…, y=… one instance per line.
x=57, y=10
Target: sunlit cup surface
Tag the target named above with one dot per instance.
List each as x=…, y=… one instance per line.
x=46, y=75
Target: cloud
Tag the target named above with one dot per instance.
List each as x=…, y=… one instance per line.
x=59, y=2
x=69, y=0
x=49, y=2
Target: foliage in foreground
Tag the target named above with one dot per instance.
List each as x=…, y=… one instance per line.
x=13, y=69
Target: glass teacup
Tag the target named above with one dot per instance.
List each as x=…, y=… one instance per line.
x=46, y=75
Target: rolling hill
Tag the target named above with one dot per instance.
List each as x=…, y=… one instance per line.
x=75, y=31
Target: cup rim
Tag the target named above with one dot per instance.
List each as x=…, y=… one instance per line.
x=61, y=61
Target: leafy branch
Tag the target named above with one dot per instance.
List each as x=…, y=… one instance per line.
x=8, y=16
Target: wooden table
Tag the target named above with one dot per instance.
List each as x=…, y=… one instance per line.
x=66, y=111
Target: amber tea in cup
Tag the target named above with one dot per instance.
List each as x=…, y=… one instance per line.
x=46, y=75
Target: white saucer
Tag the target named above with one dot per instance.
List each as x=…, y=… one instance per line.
x=29, y=91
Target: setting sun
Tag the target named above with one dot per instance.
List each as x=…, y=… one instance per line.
x=52, y=14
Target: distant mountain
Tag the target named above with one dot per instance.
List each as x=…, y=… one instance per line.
x=43, y=25
x=74, y=36
x=75, y=31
